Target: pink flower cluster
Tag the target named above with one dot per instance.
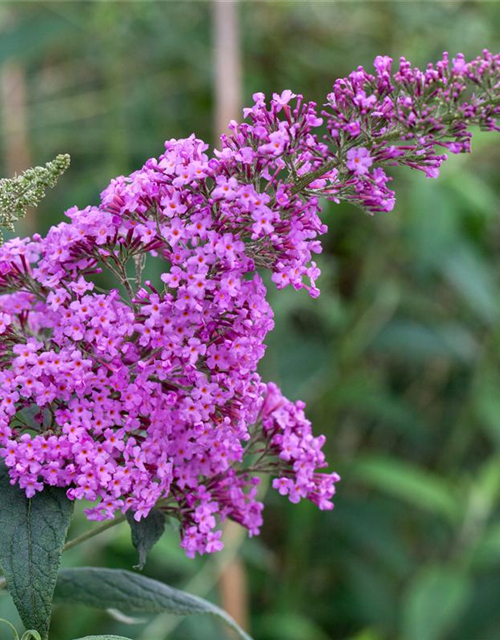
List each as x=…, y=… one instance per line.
x=384, y=119
x=146, y=393
x=289, y=439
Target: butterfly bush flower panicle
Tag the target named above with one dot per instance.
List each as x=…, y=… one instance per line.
x=18, y=194
x=147, y=393
x=406, y=117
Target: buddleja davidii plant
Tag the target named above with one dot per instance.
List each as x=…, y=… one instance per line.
x=146, y=400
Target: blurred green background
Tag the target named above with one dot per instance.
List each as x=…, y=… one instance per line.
x=399, y=359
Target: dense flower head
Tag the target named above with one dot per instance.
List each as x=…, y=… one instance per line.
x=146, y=393
x=406, y=118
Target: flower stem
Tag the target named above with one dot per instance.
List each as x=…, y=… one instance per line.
x=314, y=175
x=94, y=532
x=14, y=630
x=320, y=171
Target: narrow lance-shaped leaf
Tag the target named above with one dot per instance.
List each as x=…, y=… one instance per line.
x=409, y=483
x=127, y=591
x=146, y=533
x=434, y=603
x=32, y=538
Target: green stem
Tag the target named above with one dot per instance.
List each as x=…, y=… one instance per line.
x=314, y=175
x=101, y=528
x=14, y=630
x=94, y=532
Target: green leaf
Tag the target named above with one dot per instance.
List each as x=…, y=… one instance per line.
x=290, y=626
x=32, y=537
x=415, y=486
x=367, y=634
x=146, y=533
x=487, y=403
x=431, y=236
x=474, y=281
x=31, y=635
x=434, y=603
x=118, y=615
x=127, y=591
x=417, y=342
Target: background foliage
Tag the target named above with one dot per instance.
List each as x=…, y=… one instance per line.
x=398, y=359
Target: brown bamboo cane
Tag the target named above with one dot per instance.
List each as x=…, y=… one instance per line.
x=233, y=586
